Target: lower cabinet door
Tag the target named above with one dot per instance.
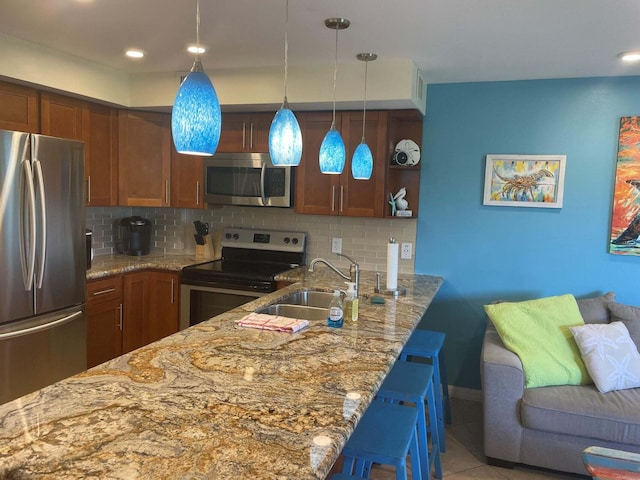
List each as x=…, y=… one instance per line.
x=135, y=295
x=163, y=305
x=104, y=334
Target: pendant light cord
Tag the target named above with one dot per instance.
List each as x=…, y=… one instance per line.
x=198, y=27
x=286, y=50
x=364, y=107
x=335, y=76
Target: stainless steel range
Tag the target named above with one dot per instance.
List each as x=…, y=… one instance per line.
x=250, y=261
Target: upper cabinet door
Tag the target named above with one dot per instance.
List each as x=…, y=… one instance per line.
x=144, y=151
x=364, y=198
x=19, y=108
x=60, y=116
x=245, y=132
x=316, y=193
x=187, y=175
x=100, y=135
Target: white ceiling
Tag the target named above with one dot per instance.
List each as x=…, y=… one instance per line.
x=449, y=40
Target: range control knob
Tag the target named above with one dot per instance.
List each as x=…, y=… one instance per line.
x=227, y=236
x=287, y=240
x=294, y=241
x=236, y=236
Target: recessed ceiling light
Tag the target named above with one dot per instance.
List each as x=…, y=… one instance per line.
x=196, y=49
x=633, y=56
x=134, y=53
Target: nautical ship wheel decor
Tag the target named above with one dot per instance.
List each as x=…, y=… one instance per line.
x=524, y=180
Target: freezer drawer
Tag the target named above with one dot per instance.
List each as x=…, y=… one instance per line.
x=40, y=351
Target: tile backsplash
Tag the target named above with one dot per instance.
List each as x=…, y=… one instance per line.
x=363, y=238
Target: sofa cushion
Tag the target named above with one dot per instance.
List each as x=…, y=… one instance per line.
x=583, y=411
x=628, y=315
x=538, y=332
x=594, y=309
x=610, y=355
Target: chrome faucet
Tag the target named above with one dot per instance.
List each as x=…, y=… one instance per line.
x=354, y=270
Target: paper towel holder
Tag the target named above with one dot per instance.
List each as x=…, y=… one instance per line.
x=395, y=292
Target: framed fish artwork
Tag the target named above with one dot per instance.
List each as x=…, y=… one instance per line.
x=625, y=216
x=524, y=180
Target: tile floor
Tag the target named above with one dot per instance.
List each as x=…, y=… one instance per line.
x=464, y=458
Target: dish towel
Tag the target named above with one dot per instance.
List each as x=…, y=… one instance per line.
x=272, y=322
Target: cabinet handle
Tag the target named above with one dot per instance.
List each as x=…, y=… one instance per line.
x=341, y=196
x=120, y=320
x=333, y=197
x=244, y=134
x=102, y=292
x=166, y=192
x=89, y=189
x=172, y=291
x=251, y=138
x=197, y=192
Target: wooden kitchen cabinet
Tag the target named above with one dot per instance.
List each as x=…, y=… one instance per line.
x=61, y=116
x=144, y=159
x=245, y=132
x=163, y=305
x=125, y=312
x=403, y=124
x=104, y=320
x=187, y=175
x=320, y=194
x=19, y=108
x=135, y=296
x=100, y=135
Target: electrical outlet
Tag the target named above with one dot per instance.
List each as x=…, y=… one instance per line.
x=336, y=245
x=406, y=251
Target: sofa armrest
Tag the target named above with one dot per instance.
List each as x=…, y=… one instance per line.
x=502, y=388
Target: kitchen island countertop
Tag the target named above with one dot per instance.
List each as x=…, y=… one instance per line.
x=216, y=401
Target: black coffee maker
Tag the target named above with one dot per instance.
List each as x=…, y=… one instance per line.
x=134, y=236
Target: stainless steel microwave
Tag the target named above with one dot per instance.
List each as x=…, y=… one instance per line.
x=247, y=179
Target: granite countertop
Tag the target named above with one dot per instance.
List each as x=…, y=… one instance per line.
x=105, y=265
x=216, y=401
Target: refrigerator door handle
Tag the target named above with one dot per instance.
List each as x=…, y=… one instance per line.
x=28, y=244
x=39, y=328
x=43, y=222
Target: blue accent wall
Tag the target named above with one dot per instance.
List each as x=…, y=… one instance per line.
x=488, y=253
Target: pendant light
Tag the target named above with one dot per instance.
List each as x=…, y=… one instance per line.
x=196, y=118
x=332, y=151
x=285, y=137
x=362, y=161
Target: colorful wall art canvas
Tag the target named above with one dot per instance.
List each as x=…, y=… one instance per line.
x=524, y=180
x=625, y=217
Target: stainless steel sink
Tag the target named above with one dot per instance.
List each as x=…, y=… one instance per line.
x=311, y=298
x=303, y=312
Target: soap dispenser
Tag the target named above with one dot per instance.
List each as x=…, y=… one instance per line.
x=336, y=311
x=351, y=303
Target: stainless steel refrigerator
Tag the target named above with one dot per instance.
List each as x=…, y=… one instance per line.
x=42, y=262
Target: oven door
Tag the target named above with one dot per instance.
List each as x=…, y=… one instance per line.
x=199, y=303
x=247, y=179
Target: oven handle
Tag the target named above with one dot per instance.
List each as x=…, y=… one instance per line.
x=201, y=288
x=263, y=172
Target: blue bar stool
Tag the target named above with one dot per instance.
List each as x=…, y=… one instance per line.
x=386, y=434
x=413, y=382
x=429, y=344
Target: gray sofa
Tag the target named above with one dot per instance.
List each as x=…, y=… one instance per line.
x=550, y=426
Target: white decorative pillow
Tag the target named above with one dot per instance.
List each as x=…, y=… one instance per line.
x=610, y=355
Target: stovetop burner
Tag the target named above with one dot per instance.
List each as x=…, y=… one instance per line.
x=250, y=260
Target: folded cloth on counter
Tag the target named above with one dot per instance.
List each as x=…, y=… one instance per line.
x=272, y=322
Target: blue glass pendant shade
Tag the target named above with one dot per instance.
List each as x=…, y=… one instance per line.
x=362, y=162
x=196, y=118
x=332, y=152
x=285, y=138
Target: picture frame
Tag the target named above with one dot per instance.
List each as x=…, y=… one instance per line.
x=524, y=180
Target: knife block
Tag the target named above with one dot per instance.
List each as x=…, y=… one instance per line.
x=206, y=250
